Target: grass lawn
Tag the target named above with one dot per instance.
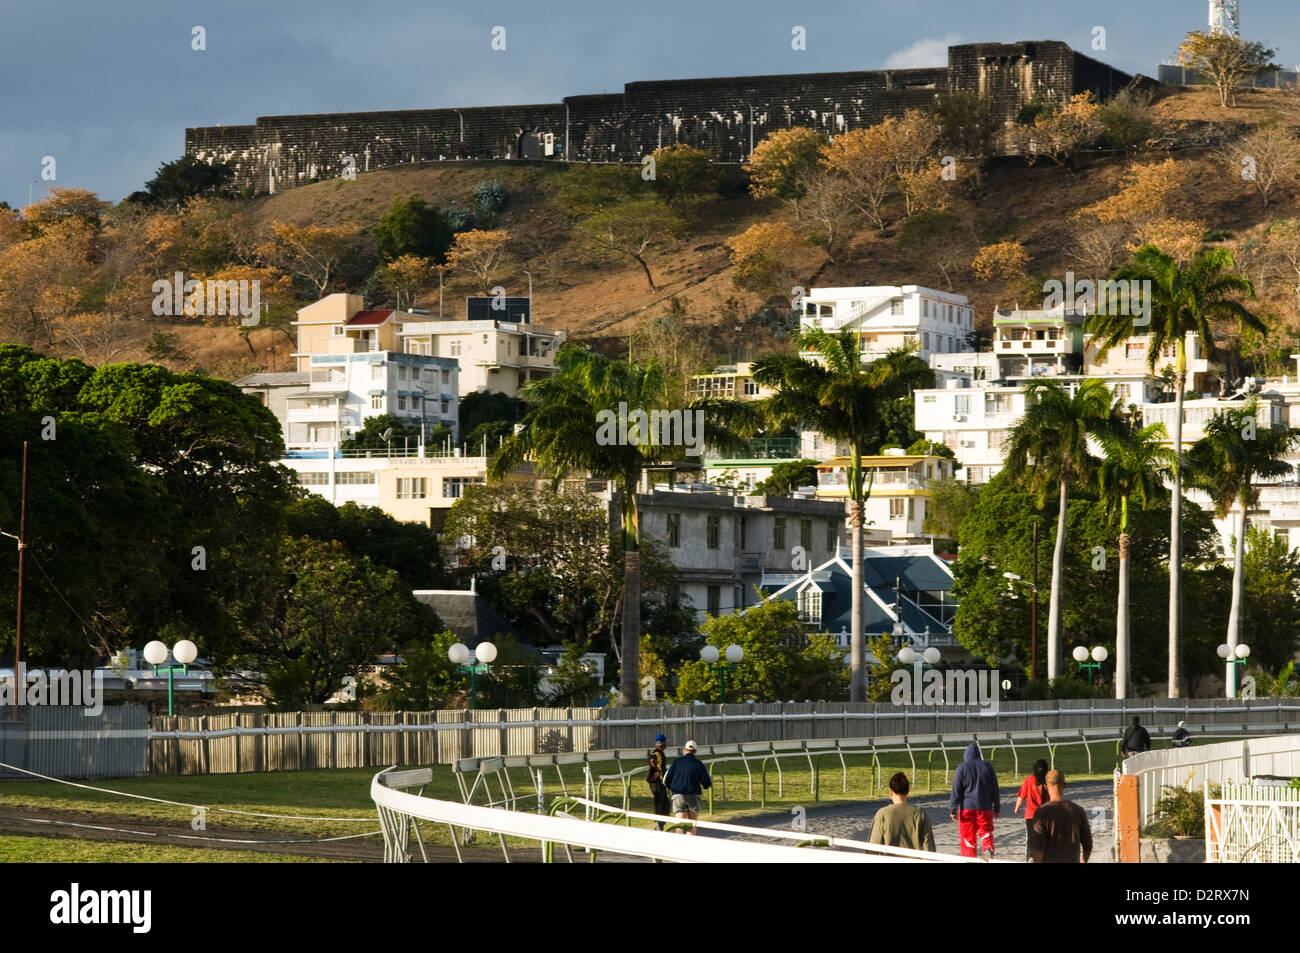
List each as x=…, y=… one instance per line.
x=345, y=793
x=42, y=850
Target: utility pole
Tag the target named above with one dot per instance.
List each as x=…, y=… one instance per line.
x=1033, y=613
x=19, y=682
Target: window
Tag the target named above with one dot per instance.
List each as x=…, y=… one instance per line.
x=1283, y=536
x=896, y=306
x=412, y=488
x=443, y=407
x=925, y=340
x=714, y=525
x=453, y=487
x=454, y=349
x=354, y=479
x=997, y=438
x=401, y=372
x=446, y=376
x=339, y=331
x=778, y=533
x=925, y=309
x=805, y=535
x=376, y=401
x=751, y=388
x=675, y=530
x=313, y=479
x=485, y=339
x=927, y=398
x=896, y=508
x=961, y=405
x=715, y=600
x=401, y=402
x=740, y=533
x=810, y=605
x=376, y=372
x=831, y=538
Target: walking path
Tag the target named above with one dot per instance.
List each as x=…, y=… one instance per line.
x=854, y=821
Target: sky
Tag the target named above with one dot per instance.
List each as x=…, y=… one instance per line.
x=107, y=89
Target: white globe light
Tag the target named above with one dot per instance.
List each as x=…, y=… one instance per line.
x=155, y=653
x=185, y=651
x=1006, y=684
x=709, y=654
x=1223, y=650
x=907, y=655
x=931, y=656
x=1080, y=654
x=486, y=652
x=734, y=654
x=1243, y=650
x=1099, y=654
x=458, y=653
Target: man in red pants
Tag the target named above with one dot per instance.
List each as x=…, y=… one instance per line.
x=974, y=803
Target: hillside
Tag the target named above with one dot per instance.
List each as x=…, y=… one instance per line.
x=601, y=303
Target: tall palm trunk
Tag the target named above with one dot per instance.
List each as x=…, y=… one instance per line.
x=1054, y=607
x=1234, y=614
x=857, y=641
x=1176, y=538
x=630, y=663
x=1121, y=612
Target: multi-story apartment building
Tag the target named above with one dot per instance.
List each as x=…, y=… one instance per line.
x=1038, y=343
x=974, y=422
x=900, y=489
x=730, y=382
x=888, y=317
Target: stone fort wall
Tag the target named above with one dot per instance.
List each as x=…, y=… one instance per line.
x=726, y=114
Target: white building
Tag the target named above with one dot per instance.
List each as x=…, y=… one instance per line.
x=974, y=422
x=899, y=490
x=889, y=317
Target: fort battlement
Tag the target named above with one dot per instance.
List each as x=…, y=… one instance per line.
x=725, y=114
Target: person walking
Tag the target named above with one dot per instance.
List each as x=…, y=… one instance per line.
x=901, y=824
x=1061, y=829
x=686, y=779
x=1136, y=740
x=658, y=768
x=1032, y=793
x=1182, y=737
x=974, y=802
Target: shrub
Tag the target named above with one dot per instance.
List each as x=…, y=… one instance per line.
x=491, y=196
x=1179, y=813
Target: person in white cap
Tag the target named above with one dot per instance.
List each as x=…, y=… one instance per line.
x=1182, y=737
x=686, y=778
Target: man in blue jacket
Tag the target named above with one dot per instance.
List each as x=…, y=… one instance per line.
x=974, y=803
x=686, y=778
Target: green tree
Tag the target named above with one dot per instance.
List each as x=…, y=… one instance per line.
x=570, y=426
x=412, y=226
x=489, y=406
x=967, y=124
x=631, y=230
x=1225, y=462
x=781, y=661
x=1271, y=616
x=1183, y=300
x=950, y=501
x=1135, y=467
x=783, y=162
x=425, y=680
x=880, y=685
x=787, y=476
x=839, y=397
x=179, y=181
x=331, y=616
x=683, y=172
x=1226, y=61
x=1049, y=448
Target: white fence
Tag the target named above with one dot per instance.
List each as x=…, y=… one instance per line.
x=1252, y=823
x=1277, y=755
x=400, y=812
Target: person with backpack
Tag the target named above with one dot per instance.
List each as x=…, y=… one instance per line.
x=974, y=803
x=1136, y=740
x=1032, y=794
x=658, y=768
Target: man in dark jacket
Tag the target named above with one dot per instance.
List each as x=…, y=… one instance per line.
x=658, y=768
x=686, y=778
x=974, y=802
x=1136, y=740
x=1182, y=737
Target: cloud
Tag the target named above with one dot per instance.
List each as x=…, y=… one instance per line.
x=932, y=51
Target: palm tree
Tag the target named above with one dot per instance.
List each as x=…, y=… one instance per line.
x=1049, y=448
x=1224, y=463
x=1182, y=301
x=584, y=418
x=1135, y=467
x=840, y=398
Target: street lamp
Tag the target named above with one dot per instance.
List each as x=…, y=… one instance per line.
x=484, y=654
x=1099, y=655
x=1033, y=609
x=1227, y=652
x=184, y=651
x=709, y=656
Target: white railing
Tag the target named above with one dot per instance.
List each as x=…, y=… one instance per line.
x=399, y=814
x=1252, y=823
x=1215, y=764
